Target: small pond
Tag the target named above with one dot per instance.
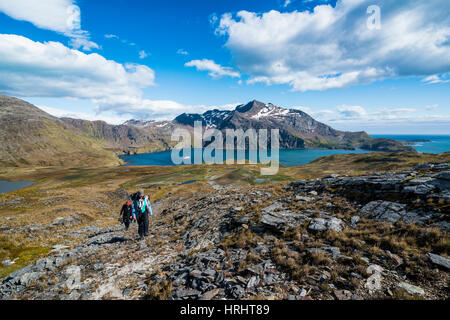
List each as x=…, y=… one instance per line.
x=8, y=186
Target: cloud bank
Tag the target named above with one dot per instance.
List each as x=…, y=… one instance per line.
x=332, y=47
x=50, y=69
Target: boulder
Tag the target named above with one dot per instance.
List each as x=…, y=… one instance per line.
x=411, y=289
x=253, y=282
x=443, y=175
x=373, y=283
x=281, y=220
x=323, y=224
x=439, y=260
x=354, y=221
x=421, y=189
x=210, y=294
x=187, y=294
x=385, y=211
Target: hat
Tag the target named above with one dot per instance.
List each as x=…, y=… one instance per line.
x=128, y=202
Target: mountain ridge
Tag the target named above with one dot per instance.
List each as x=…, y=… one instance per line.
x=30, y=136
x=298, y=130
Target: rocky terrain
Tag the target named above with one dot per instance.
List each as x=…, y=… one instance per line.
x=375, y=236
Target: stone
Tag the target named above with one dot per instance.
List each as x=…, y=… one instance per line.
x=442, y=166
x=253, y=282
x=439, y=260
x=343, y=294
x=304, y=199
x=323, y=224
x=318, y=224
x=424, y=166
x=383, y=211
x=411, y=289
x=60, y=247
x=421, y=189
x=196, y=274
x=443, y=175
x=374, y=268
x=27, y=278
x=298, y=183
x=335, y=224
x=282, y=221
x=237, y=292
x=365, y=259
x=373, y=283
x=7, y=262
x=210, y=294
x=354, y=221
x=187, y=293
x=302, y=292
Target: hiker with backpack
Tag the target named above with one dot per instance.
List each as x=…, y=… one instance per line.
x=126, y=214
x=141, y=210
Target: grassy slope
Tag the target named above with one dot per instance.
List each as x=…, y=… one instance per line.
x=49, y=143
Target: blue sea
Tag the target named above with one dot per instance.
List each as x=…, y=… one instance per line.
x=437, y=144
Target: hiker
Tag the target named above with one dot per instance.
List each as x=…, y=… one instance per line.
x=127, y=214
x=141, y=211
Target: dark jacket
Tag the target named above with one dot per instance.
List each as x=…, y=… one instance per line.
x=127, y=211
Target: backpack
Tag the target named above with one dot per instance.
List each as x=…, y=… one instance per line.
x=134, y=197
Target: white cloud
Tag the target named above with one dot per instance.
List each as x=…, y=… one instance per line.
x=433, y=79
x=83, y=43
x=215, y=70
x=62, y=16
x=182, y=52
x=164, y=109
x=352, y=111
x=432, y=107
x=333, y=48
x=307, y=110
x=81, y=115
x=359, y=114
x=35, y=69
x=143, y=54
x=111, y=36
x=150, y=109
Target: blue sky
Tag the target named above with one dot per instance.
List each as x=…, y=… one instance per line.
x=115, y=60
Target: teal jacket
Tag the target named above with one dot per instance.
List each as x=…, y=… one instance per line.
x=136, y=209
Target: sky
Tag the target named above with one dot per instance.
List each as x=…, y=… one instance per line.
x=382, y=66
